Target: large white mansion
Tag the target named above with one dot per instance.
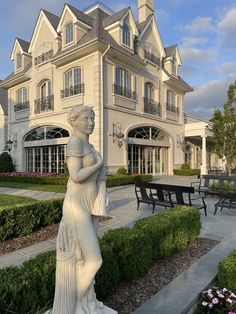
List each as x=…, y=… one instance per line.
x=121, y=68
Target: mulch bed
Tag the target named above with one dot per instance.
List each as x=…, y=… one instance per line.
x=129, y=296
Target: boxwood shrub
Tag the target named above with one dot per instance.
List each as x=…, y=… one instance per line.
x=21, y=220
x=186, y=172
x=127, y=179
x=227, y=272
x=127, y=254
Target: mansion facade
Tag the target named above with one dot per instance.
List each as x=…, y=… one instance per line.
x=121, y=68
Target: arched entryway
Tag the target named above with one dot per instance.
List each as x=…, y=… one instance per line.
x=45, y=149
x=148, y=151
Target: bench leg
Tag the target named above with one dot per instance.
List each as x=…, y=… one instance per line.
x=216, y=207
x=138, y=203
x=153, y=208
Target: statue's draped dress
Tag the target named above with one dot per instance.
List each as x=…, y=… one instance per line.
x=82, y=201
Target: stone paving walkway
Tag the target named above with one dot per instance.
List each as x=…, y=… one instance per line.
x=123, y=211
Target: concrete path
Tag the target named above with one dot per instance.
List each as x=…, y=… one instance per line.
x=182, y=291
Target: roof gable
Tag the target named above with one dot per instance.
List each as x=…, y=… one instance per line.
x=50, y=19
x=23, y=45
x=173, y=53
x=77, y=15
x=145, y=27
x=3, y=100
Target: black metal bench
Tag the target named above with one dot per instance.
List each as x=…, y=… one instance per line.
x=227, y=200
x=215, y=184
x=167, y=196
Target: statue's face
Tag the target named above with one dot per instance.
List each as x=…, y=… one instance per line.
x=85, y=122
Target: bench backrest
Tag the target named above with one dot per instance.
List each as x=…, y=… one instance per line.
x=141, y=190
x=220, y=181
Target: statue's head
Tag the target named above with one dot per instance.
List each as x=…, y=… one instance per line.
x=82, y=118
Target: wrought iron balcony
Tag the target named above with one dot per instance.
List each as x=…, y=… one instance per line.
x=119, y=90
x=44, y=104
x=21, y=106
x=151, y=57
x=172, y=108
x=151, y=106
x=73, y=90
x=43, y=57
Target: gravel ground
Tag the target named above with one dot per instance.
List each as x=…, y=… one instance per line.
x=129, y=296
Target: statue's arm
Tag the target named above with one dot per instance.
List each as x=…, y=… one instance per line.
x=79, y=174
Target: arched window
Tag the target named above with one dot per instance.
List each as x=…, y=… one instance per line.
x=126, y=34
x=72, y=83
x=69, y=33
x=21, y=100
x=148, y=91
x=45, y=97
x=18, y=61
x=148, y=133
x=170, y=101
x=46, y=133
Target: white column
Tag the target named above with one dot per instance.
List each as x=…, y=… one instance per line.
x=203, y=165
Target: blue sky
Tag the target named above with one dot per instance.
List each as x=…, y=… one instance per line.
x=205, y=32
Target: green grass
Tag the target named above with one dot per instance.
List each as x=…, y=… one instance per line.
x=11, y=200
x=32, y=186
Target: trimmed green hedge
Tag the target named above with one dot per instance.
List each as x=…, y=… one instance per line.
x=21, y=220
x=127, y=254
x=227, y=272
x=129, y=179
x=111, y=180
x=186, y=172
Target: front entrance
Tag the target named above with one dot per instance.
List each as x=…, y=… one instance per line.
x=147, y=160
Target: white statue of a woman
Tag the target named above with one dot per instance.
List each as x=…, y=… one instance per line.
x=78, y=252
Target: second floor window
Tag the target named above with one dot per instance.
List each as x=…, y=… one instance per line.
x=126, y=34
x=21, y=96
x=45, y=89
x=148, y=91
x=69, y=33
x=171, y=104
x=72, y=83
x=123, y=78
x=18, y=61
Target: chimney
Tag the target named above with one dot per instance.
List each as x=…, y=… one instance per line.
x=145, y=8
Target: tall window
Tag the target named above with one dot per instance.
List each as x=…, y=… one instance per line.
x=69, y=33
x=45, y=89
x=123, y=78
x=18, y=61
x=148, y=91
x=126, y=34
x=72, y=83
x=21, y=96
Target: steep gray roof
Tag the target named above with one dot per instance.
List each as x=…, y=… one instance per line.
x=81, y=16
x=3, y=99
x=14, y=75
x=170, y=50
x=110, y=19
x=142, y=25
x=24, y=44
x=53, y=19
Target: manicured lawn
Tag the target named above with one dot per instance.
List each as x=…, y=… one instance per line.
x=11, y=200
x=31, y=186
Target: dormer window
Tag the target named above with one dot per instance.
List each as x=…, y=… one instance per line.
x=126, y=34
x=69, y=33
x=18, y=61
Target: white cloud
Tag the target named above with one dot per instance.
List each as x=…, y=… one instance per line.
x=226, y=69
x=201, y=24
x=227, y=29
x=207, y=97
x=197, y=54
x=163, y=16
x=190, y=41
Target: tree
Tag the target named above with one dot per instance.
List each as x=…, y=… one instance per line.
x=224, y=129
x=6, y=163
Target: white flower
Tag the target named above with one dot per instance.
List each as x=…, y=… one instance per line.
x=210, y=305
x=215, y=301
x=204, y=303
x=210, y=295
x=209, y=290
x=233, y=295
x=229, y=300
x=224, y=289
x=220, y=295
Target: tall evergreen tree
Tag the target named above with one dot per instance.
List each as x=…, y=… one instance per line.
x=224, y=129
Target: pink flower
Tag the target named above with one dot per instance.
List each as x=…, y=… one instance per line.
x=215, y=301
x=231, y=312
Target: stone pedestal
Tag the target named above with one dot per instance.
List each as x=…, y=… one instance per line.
x=105, y=310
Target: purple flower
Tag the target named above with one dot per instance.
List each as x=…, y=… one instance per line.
x=215, y=301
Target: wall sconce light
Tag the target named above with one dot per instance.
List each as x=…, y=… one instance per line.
x=181, y=141
x=11, y=142
x=117, y=135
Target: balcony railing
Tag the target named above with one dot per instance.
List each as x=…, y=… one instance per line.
x=119, y=90
x=151, y=57
x=151, y=106
x=73, y=90
x=44, y=104
x=172, y=108
x=21, y=106
x=43, y=57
